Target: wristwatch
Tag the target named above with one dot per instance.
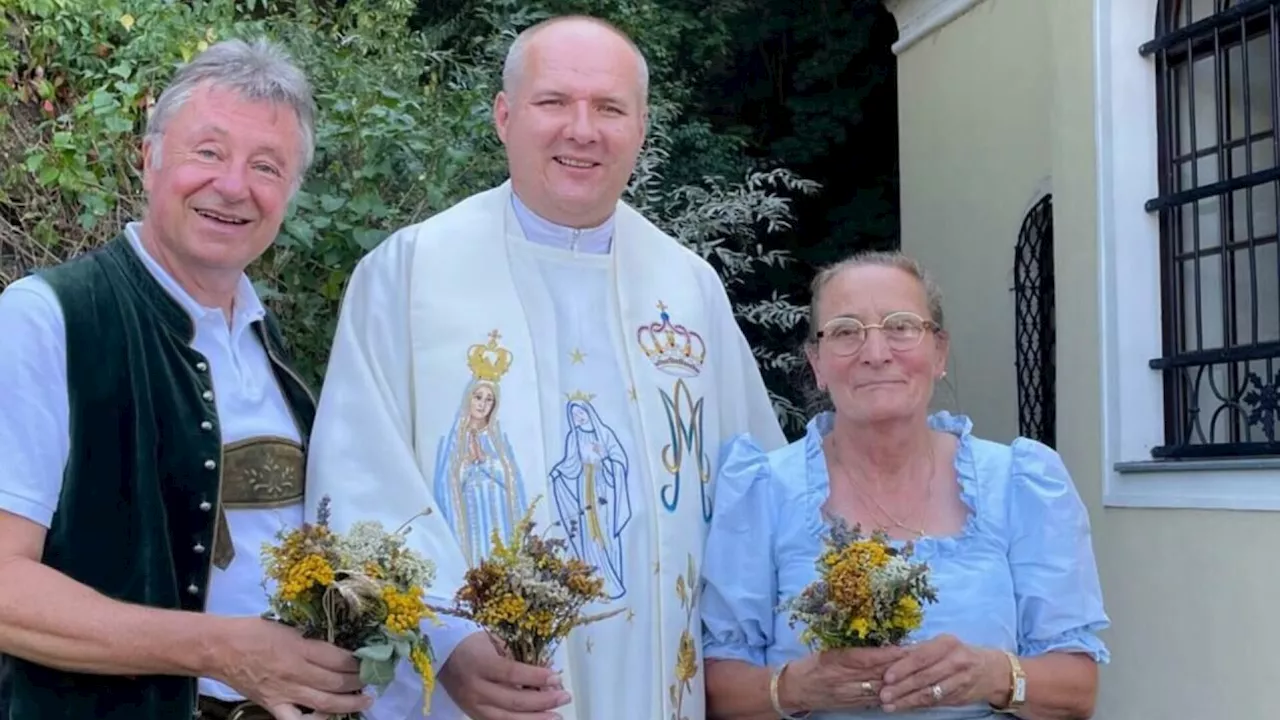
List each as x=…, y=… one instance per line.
x=1017, y=687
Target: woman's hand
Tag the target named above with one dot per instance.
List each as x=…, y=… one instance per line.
x=837, y=679
x=944, y=671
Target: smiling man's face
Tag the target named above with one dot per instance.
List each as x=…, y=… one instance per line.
x=573, y=122
x=219, y=183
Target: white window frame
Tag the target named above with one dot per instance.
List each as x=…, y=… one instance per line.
x=1129, y=280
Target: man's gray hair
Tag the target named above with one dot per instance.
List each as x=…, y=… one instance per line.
x=514, y=64
x=258, y=70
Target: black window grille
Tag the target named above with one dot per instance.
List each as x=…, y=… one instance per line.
x=1217, y=66
x=1034, y=331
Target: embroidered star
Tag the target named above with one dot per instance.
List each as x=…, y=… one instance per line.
x=631, y=614
x=656, y=567
x=591, y=643
x=662, y=307
x=577, y=356
x=632, y=392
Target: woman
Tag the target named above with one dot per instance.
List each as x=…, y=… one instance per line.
x=1001, y=527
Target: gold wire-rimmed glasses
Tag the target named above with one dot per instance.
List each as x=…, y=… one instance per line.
x=902, y=330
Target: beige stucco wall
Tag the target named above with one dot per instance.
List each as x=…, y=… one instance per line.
x=975, y=155
x=1190, y=592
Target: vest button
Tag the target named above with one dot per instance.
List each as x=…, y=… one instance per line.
x=209, y=464
x=206, y=426
x=207, y=395
x=202, y=366
x=193, y=589
x=206, y=506
x=198, y=549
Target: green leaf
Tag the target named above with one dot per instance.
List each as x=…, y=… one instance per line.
x=34, y=161
x=378, y=673
x=300, y=230
x=123, y=70
x=330, y=203
x=403, y=648
x=378, y=652
x=117, y=124
x=369, y=239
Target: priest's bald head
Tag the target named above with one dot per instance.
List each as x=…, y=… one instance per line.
x=572, y=114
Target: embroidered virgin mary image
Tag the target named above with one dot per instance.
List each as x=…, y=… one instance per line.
x=477, y=483
x=592, y=497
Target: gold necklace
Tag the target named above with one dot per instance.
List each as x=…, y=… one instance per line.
x=857, y=486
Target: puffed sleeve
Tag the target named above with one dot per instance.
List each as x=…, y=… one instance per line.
x=1055, y=576
x=739, y=582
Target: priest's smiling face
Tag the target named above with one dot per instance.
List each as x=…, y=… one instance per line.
x=218, y=183
x=573, y=120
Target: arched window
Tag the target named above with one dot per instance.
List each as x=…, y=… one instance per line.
x=1034, y=332
x=1217, y=70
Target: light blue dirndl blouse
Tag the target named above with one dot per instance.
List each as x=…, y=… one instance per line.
x=1020, y=576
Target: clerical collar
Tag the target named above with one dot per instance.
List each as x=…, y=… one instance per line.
x=596, y=240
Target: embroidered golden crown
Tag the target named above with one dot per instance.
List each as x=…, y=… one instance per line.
x=489, y=361
x=673, y=349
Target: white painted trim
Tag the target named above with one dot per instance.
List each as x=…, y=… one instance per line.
x=1129, y=284
x=918, y=19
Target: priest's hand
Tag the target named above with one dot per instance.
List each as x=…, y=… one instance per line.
x=274, y=667
x=487, y=686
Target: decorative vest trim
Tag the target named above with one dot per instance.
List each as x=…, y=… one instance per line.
x=140, y=491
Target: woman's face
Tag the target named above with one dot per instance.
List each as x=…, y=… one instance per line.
x=481, y=403
x=888, y=376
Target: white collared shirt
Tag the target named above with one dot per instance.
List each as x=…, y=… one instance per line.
x=35, y=424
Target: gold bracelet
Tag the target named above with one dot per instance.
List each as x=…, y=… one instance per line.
x=773, y=694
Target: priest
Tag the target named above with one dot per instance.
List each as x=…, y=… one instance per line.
x=542, y=341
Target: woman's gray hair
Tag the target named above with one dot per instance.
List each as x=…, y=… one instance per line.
x=258, y=70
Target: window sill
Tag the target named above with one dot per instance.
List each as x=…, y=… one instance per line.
x=1238, y=484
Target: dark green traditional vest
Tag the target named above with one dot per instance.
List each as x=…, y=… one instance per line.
x=141, y=489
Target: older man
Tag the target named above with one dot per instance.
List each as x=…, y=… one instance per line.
x=543, y=340
x=144, y=388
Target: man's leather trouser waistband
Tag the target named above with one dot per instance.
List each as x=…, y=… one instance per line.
x=215, y=709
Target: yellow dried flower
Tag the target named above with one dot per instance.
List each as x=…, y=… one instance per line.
x=405, y=610
x=506, y=608
x=421, y=662
x=309, y=572
x=907, y=614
